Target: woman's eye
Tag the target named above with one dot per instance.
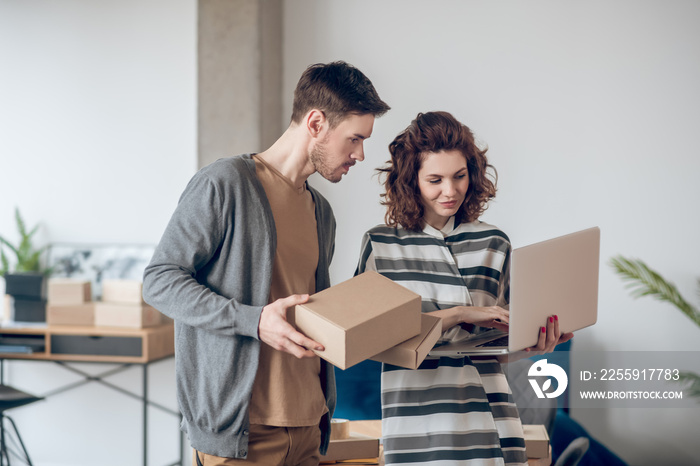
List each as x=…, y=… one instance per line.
x=434, y=181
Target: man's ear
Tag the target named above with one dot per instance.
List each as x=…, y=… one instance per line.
x=315, y=122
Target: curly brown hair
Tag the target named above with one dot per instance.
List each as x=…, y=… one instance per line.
x=433, y=132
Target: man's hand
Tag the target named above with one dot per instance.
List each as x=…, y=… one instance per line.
x=274, y=329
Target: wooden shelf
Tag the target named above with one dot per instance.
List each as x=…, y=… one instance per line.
x=93, y=344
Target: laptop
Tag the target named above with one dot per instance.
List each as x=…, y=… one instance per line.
x=559, y=277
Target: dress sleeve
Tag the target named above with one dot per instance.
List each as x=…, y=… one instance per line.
x=504, y=282
x=366, y=261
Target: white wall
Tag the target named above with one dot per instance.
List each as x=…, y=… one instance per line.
x=97, y=141
x=589, y=110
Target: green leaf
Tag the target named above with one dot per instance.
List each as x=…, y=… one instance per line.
x=20, y=223
x=691, y=384
x=643, y=281
x=5, y=264
x=9, y=245
x=27, y=258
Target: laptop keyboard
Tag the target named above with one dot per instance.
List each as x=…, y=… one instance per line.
x=502, y=341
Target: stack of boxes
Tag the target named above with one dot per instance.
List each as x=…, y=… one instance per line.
x=368, y=316
x=122, y=305
x=347, y=445
x=70, y=302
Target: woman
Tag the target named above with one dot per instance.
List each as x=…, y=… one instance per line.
x=451, y=410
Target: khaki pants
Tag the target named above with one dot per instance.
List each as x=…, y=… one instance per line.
x=272, y=446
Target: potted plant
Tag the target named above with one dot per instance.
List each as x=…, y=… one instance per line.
x=644, y=281
x=25, y=281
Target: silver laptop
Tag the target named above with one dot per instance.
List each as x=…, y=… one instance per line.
x=554, y=277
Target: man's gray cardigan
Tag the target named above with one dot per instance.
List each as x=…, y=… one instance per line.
x=211, y=273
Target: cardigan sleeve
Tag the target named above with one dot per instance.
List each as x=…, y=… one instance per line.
x=192, y=238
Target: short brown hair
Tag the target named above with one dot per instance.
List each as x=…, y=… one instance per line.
x=338, y=89
x=433, y=132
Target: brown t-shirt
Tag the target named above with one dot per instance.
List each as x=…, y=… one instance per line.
x=287, y=391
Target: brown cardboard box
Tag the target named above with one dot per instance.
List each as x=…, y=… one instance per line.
x=75, y=314
x=358, y=318
x=411, y=353
x=122, y=291
x=126, y=315
x=67, y=291
x=7, y=308
x=536, y=440
x=356, y=446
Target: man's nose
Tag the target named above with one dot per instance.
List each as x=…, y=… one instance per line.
x=359, y=154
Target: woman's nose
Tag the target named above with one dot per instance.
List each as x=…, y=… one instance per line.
x=448, y=188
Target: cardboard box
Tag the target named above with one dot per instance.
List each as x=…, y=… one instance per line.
x=359, y=318
x=7, y=307
x=126, y=315
x=66, y=291
x=75, y=314
x=411, y=353
x=356, y=446
x=122, y=291
x=536, y=441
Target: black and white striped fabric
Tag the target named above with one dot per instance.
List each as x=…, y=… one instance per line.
x=450, y=411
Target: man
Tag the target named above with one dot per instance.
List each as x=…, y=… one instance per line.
x=248, y=241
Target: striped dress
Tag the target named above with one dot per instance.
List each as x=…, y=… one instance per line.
x=451, y=410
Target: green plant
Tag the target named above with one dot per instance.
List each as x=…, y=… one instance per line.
x=644, y=281
x=27, y=257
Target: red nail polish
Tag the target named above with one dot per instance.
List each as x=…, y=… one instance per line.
x=556, y=317
x=544, y=330
x=551, y=319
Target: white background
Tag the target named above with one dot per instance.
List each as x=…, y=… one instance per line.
x=97, y=140
x=589, y=110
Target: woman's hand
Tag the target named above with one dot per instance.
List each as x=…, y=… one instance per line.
x=550, y=337
x=490, y=317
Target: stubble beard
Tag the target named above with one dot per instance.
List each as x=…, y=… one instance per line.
x=318, y=158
